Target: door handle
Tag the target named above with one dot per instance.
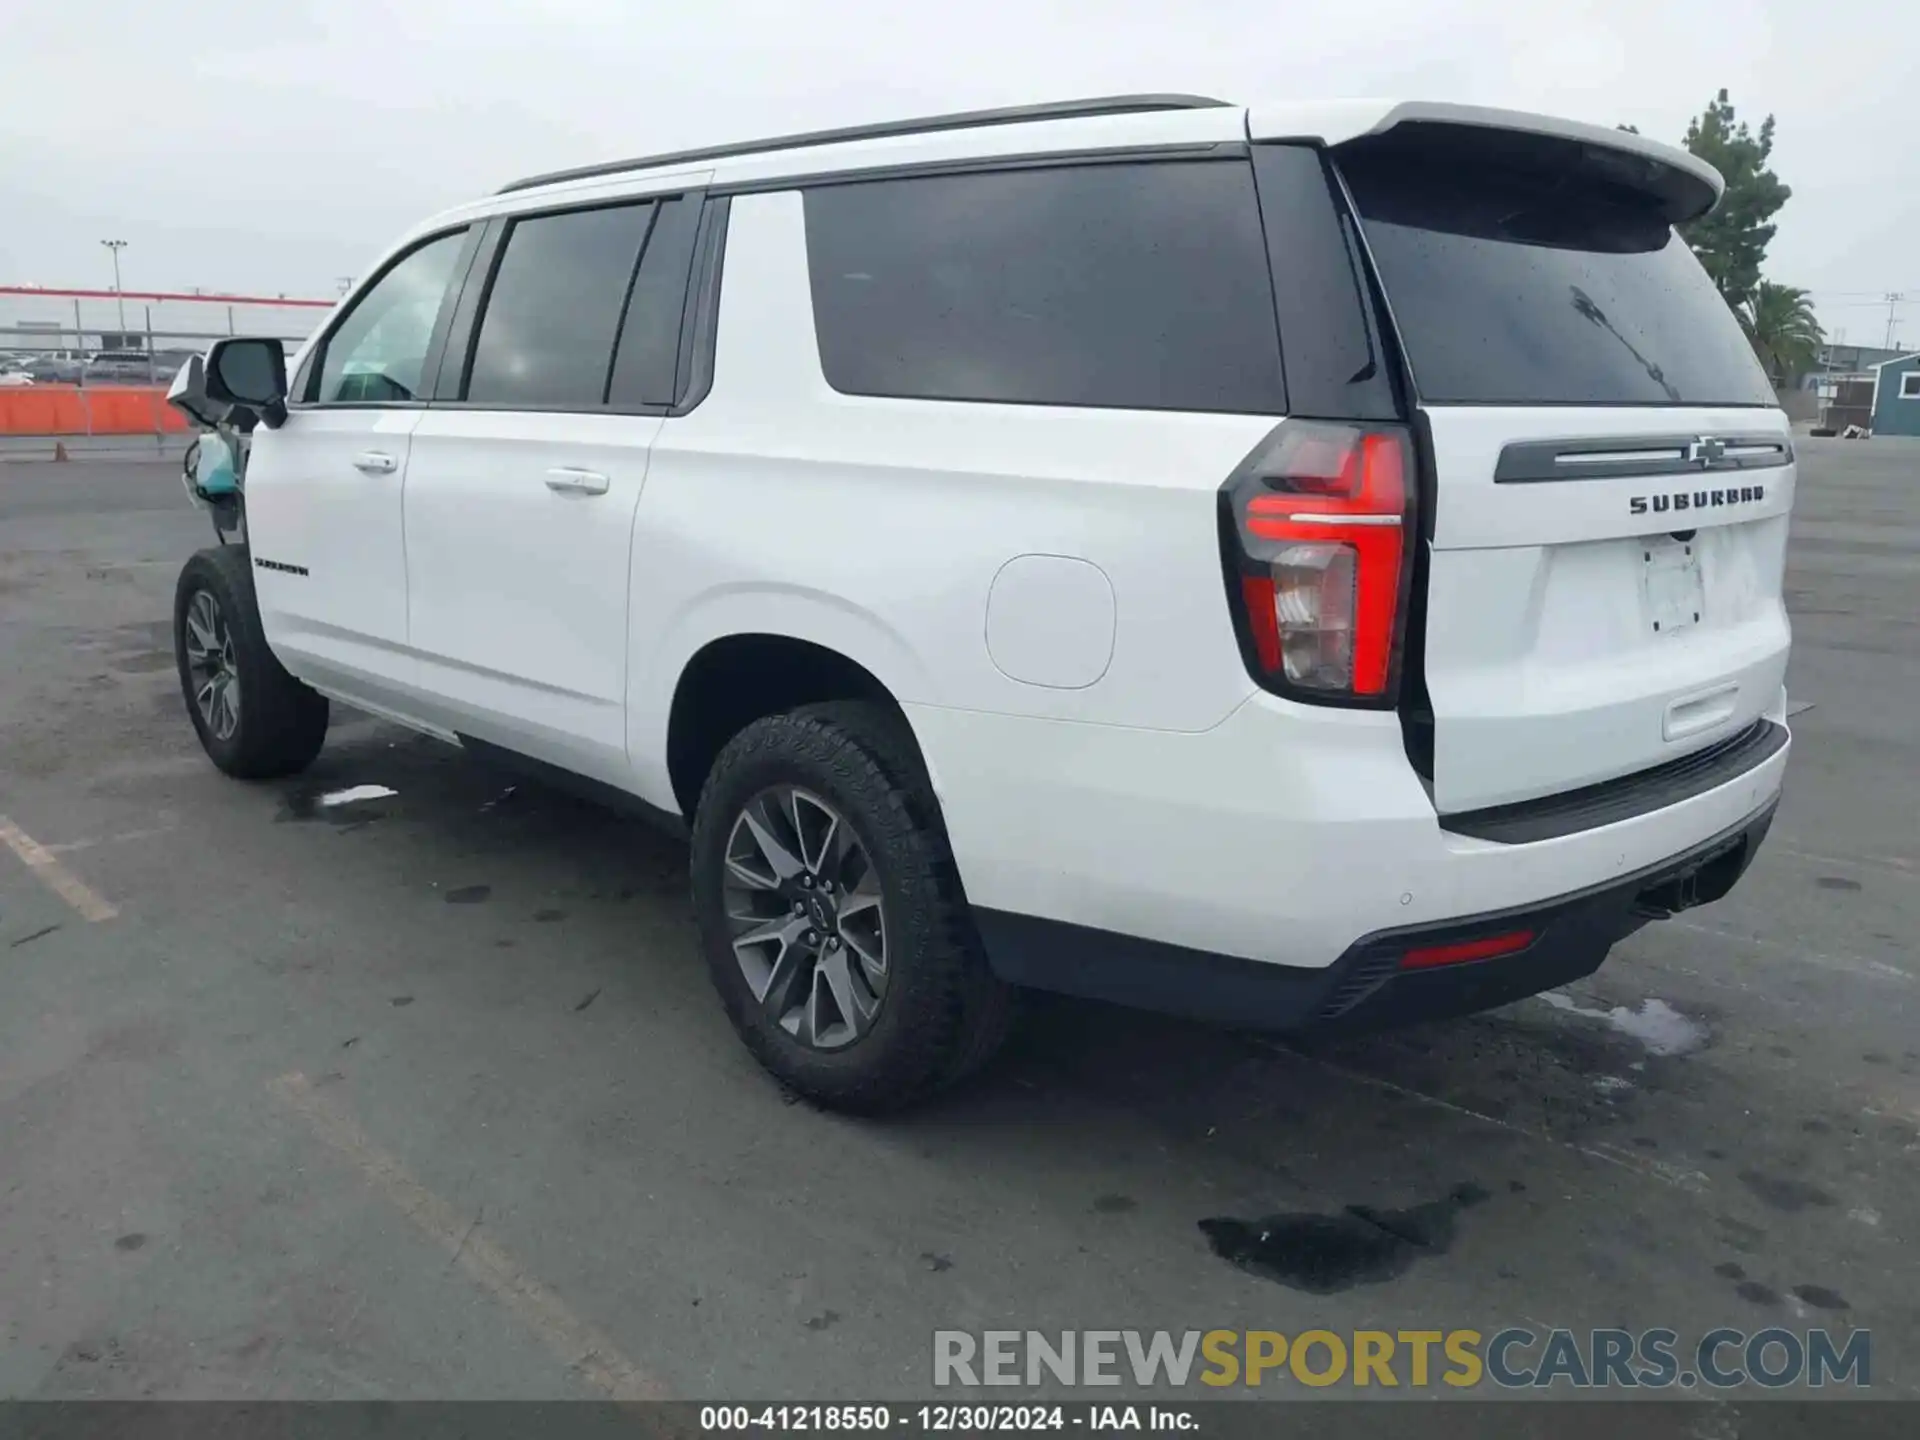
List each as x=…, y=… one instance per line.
x=569, y=481
x=375, y=462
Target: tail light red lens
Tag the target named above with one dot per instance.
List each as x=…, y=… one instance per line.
x=1319, y=517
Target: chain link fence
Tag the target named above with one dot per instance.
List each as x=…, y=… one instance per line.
x=42, y=355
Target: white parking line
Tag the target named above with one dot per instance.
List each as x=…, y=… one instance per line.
x=1678, y=1176
x=576, y=1343
x=1888, y=862
x=1855, y=965
x=87, y=902
x=67, y=847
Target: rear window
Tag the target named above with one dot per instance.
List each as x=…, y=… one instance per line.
x=1133, y=286
x=1514, y=286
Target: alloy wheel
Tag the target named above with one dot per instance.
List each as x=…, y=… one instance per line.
x=210, y=666
x=803, y=899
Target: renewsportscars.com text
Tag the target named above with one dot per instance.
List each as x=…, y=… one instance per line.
x=1515, y=1357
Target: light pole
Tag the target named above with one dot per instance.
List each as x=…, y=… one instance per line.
x=114, y=247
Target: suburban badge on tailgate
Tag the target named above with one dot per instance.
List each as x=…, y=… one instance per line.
x=1709, y=453
x=1697, y=499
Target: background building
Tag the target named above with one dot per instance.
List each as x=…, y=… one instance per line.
x=1896, y=396
x=1848, y=360
x=1838, y=390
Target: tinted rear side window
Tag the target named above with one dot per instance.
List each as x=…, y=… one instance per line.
x=1518, y=287
x=546, y=335
x=643, y=370
x=1135, y=286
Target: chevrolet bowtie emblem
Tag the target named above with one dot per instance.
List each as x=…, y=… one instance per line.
x=1706, y=452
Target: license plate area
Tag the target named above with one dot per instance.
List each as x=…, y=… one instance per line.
x=1673, y=596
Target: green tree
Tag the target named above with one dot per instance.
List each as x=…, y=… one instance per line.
x=1731, y=240
x=1780, y=322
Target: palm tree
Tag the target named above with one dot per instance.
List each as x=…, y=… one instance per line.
x=1780, y=322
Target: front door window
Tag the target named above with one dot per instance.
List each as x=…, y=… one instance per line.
x=377, y=354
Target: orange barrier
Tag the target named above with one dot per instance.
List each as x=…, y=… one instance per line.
x=88, y=410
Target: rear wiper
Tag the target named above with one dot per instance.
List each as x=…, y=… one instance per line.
x=1584, y=305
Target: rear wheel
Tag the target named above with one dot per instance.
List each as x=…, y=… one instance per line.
x=254, y=720
x=832, y=916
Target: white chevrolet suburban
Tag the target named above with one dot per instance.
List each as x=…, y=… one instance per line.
x=1294, y=565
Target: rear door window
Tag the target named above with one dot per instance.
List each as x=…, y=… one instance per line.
x=1515, y=286
x=553, y=309
x=1126, y=285
x=649, y=345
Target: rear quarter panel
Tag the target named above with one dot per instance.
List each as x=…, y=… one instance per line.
x=877, y=526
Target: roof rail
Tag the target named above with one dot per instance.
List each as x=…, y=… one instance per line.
x=966, y=119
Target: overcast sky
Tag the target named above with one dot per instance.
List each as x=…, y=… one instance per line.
x=277, y=145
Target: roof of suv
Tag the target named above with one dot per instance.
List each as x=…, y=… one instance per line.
x=1171, y=122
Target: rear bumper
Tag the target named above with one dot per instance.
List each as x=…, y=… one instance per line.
x=1286, y=835
x=1369, y=986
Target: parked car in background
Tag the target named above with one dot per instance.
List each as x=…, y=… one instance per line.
x=13, y=378
x=167, y=363
x=124, y=367
x=62, y=367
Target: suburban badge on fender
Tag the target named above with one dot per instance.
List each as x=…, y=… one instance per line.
x=1697, y=499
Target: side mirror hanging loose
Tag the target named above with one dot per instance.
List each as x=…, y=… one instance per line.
x=252, y=372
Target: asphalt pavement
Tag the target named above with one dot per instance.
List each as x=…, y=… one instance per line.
x=427, y=1095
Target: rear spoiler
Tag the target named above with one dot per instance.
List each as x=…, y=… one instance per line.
x=1684, y=186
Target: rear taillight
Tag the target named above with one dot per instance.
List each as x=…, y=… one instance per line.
x=1319, y=519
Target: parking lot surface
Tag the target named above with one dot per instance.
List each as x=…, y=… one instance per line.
x=426, y=1094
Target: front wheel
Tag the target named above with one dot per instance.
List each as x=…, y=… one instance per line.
x=831, y=913
x=254, y=720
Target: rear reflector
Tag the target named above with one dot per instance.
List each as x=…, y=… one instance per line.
x=1461, y=951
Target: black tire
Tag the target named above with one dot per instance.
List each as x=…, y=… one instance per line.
x=281, y=723
x=944, y=1012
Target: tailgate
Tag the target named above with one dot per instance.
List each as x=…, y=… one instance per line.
x=1610, y=474
x=1577, y=633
